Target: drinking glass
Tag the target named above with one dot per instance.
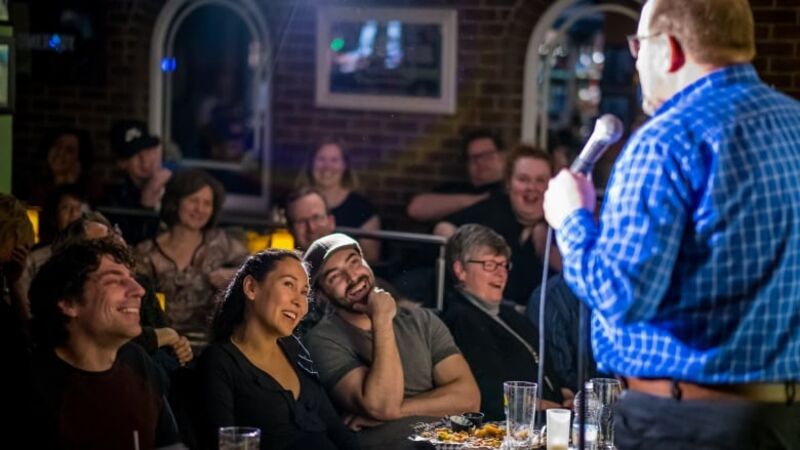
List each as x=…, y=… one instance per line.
x=519, y=400
x=607, y=391
x=558, y=429
x=239, y=438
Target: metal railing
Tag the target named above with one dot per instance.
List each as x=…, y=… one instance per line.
x=263, y=223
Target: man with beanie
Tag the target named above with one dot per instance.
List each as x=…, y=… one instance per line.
x=139, y=155
x=383, y=366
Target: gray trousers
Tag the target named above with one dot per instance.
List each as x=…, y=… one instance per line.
x=647, y=422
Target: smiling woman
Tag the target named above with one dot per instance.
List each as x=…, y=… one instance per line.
x=329, y=170
x=192, y=260
x=256, y=373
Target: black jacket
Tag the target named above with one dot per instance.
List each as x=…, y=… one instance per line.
x=494, y=354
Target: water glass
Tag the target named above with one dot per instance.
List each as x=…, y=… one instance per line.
x=519, y=400
x=607, y=391
x=558, y=429
x=239, y=438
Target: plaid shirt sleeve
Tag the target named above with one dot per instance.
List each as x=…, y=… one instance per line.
x=626, y=270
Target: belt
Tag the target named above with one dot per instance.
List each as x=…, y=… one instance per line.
x=757, y=392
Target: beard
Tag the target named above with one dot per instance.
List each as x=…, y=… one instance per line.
x=357, y=292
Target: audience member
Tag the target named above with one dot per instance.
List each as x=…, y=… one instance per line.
x=156, y=333
x=483, y=151
x=92, y=388
x=139, y=155
x=381, y=364
x=66, y=206
x=516, y=215
x=256, y=373
x=192, y=260
x=16, y=238
x=330, y=171
x=498, y=343
x=308, y=216
x=68, y=153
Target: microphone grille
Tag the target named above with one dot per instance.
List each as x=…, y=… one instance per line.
x=609, y=128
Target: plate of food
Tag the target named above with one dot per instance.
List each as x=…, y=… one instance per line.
x=444, y=437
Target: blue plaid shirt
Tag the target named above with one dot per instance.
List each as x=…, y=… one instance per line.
x=693, y=271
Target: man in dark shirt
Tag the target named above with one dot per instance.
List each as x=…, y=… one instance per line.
x=139, y=155
x=90, y=387
x=483, y=151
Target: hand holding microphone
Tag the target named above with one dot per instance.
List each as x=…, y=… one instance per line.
x=571, y=189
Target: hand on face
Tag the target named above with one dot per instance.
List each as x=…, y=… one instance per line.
x=153, y=190
x=379, y=305
x=566, y=193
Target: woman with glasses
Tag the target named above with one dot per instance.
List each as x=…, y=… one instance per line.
x=517, y=215
x=498, y=343
x=192, y=260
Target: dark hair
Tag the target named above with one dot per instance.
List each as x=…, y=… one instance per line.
x=76, y=231
x=299, y=193
x=525, y=151
x=85, y=146
x=49, y=228
x=62, y=277
x=474, y=135
x=469, y=238
x=306, y=176
x=184, y=184
x=230, y=313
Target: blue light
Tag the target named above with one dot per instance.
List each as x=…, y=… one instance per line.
x=168, y=64
x=55, y=42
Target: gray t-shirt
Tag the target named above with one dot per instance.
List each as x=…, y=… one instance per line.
x=338, y=347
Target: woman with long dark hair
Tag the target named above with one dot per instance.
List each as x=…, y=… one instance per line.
x=255, y=373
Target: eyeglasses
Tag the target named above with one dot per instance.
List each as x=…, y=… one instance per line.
x=635, y=43
x=316, y=219
x=491, y=266
x=483, y=156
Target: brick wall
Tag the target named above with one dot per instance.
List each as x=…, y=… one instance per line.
x=396, y=154
x=778, y=43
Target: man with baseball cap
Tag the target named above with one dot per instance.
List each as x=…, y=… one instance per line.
x=383, y=366
x=139, y=155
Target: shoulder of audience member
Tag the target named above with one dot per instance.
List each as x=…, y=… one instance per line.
x=324, y=330
x=295, y=347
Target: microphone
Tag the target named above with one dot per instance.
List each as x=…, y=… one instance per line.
x=607, y=131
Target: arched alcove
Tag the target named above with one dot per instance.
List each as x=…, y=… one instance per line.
x=568, y=33
x=210, y=94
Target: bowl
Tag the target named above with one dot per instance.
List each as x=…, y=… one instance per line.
x=475, y=417
x=460, y=423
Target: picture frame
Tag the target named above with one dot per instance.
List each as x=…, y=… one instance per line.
x=7, y=78
x=5, y=15
x=387, y=59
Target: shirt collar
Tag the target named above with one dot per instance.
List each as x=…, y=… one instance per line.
x=491, y=308
x=727, y=75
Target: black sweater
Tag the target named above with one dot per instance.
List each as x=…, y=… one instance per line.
x=236, y=392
